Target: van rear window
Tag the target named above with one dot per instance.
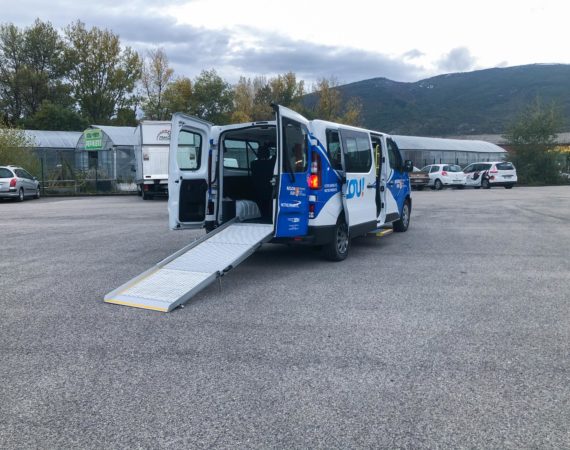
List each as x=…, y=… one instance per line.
x=295, y=148
x=505, y=166
x=6, y=173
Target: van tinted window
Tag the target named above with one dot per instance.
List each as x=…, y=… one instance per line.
x=295, y=147
x=358, y=155
x=5, y=173
x=394, y=155
x=333, y=149
x=452, y=168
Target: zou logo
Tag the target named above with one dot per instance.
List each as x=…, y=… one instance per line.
x=355, y=188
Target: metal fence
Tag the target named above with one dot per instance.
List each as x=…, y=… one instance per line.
x=77, y=172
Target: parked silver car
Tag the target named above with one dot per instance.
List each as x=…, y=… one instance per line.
x=18, y=183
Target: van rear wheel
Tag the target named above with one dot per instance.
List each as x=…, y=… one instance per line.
x=337, y=249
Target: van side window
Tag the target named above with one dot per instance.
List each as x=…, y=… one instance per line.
x=434, y=169
x=394, y=155
x=358, y=155
x=333, y=149
x=189, y=151
x=295, y=154
x=239, y=154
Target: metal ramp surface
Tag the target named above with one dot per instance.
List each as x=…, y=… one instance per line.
x=182, y=275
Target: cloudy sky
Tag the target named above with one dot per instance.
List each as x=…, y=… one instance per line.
x=404, y=40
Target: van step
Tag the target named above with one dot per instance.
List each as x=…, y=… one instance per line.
x=381, y=232
x=182, y=275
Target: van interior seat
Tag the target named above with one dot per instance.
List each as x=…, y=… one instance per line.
x=247, y=210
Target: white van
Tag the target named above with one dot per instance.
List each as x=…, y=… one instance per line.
x=151, y=157
x=291, y=180
x=316, y=182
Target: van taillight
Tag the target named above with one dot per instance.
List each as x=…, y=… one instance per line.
x=315, y=179
x=13, y=182
x=443, y=173
x=493, y=170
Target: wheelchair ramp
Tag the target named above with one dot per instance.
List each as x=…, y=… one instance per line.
x=182, y=275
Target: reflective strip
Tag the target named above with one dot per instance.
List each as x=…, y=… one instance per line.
x=136, y=305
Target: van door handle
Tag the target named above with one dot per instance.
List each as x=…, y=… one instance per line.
x=371, y=185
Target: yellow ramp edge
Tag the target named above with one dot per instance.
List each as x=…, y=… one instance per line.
x=136, y=305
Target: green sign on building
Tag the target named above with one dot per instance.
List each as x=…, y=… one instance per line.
x=93, y=139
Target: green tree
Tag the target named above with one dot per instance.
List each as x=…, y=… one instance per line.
x=16, y=149
x=32, y=69
x=330, y=105
x=532, y=138
x=156, y=76
x=212, y=98
x=50, y=116
x=102, y=74
x=178, y=96
x=286, y=91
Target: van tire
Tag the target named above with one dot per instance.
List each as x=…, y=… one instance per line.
x=38, y=193
x=21, y=195
x=403, y=222
x=438, y=185
x=508, y=186
x=146, y=196
x=337, y=249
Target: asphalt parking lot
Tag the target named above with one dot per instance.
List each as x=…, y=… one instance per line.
x=454, y=334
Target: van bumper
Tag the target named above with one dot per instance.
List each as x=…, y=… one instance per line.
x=315, y=236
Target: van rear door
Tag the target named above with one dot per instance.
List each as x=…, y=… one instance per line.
x=292, y=208
x=188, y=171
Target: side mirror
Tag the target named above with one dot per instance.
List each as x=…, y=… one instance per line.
x=35, y=178
x=408, y=165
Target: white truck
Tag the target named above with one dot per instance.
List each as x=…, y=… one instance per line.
x=151, y=156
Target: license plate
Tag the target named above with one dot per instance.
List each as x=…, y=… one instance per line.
x=457, y=181
x=507, y=176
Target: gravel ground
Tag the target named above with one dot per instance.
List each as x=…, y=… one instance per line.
x=454, y=334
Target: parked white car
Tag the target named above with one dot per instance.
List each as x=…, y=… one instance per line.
x=487, y=174
x=441, y=175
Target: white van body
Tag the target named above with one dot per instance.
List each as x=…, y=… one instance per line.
x=151, y=156
x=366, y=187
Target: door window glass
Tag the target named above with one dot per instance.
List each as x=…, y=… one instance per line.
x=295, y=149
x=434, y=169
x=333, y=149
x=394, y=155
x=189, y=151
x=20, y=173
x=239, y=154
x=358, y=155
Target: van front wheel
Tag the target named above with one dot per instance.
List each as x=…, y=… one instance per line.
x=337, y=249
x=403, y=222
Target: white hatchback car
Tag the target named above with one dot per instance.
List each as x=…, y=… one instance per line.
x=441, y=175
x=488, y=174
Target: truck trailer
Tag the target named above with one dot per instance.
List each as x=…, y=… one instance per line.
x=151, y=157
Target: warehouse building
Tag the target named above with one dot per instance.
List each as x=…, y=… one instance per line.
x=426, y=150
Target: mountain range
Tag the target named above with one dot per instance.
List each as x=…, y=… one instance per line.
x=479, y=102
